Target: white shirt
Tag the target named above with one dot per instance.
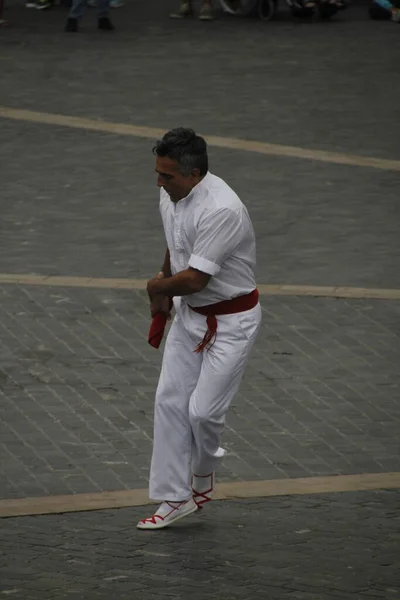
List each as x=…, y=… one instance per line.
x=210, y=230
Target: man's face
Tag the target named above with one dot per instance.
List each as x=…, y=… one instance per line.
x=178, y=186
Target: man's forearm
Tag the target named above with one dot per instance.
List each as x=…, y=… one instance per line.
x=184, y=283
x=166, y=268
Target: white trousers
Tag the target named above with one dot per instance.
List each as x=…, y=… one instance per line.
x=193, y=396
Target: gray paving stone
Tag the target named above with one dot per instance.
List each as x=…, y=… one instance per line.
x=315, y=223
x=323, y=546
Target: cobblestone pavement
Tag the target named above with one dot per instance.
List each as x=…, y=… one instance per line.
x=320, y=395
x=96, y=210
x=85, y=203
x=324, y=547
x=318, y=85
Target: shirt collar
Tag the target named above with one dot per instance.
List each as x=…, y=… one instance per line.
x=197, y=188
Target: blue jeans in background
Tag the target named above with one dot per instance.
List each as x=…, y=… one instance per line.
x=79, y=6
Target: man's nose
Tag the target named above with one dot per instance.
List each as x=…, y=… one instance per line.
x=159, y=181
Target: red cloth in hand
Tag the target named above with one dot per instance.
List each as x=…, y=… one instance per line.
x=157, y=328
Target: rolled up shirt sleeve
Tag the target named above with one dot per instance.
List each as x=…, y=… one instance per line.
x=219, y=233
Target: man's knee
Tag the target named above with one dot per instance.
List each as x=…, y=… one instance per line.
x=166, y=401
x=202, y=413
x=197, y=414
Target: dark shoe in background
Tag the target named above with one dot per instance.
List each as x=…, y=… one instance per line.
x=71, y=25
x=206, y=13
x=185, y=10
x=105, y=24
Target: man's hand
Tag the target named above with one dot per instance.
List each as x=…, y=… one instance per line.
x=159, y=303
x=151, y=285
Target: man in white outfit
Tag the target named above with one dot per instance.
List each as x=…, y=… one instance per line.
x=209, y=272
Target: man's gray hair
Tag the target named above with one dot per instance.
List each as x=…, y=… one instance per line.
x=187, y=148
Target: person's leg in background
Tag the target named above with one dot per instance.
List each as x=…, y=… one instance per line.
x=78, y=10
x=186, y=10
x=384, y=10
x=113, y=3
x=103, y=7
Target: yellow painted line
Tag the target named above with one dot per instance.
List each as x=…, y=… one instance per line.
x=216, y=141
x=140, y=284
x=225, y=491
x=328, y=291
x=84, y=282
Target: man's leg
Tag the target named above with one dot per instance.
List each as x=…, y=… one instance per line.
x=103, y=7
x=104, y=22
x=170, y=471
x=77, y=9
x=219, y=381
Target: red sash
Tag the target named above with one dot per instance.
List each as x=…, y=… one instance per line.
x=211, y=311
x=226, y=307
